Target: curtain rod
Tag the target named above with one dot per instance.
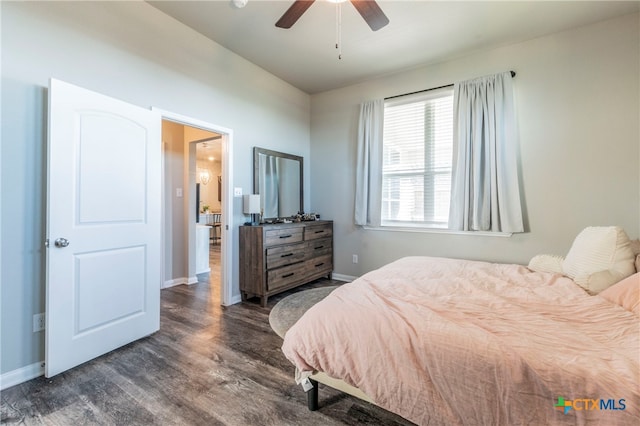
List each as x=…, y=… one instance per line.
x=513, y=74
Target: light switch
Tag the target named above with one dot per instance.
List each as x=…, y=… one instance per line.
x=179, y=192
x=237, y=192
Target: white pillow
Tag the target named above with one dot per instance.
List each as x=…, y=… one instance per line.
x=599, y=257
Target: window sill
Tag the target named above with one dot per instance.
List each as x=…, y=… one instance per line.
x=437, y=231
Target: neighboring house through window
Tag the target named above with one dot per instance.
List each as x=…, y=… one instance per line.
x=417, y=159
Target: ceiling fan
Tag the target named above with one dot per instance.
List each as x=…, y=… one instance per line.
x=368, y=9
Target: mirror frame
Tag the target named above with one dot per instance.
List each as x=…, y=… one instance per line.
x=256, y=171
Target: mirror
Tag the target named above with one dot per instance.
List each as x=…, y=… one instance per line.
x=278, y=178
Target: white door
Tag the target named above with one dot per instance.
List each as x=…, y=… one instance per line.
x=103, y=225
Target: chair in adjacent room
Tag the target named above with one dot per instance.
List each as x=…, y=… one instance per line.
x=215, y=224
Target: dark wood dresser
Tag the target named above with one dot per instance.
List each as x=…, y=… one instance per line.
x=278, y=257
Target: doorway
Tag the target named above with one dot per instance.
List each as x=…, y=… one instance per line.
x=183, y=211
x=208, y=204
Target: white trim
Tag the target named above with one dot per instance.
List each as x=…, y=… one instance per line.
x=21, y=375
x=174, y=282
x=179, y=281
x=235, y=299
x=191, y=122
x=227, y=226
x=343, y=277
x=204, y=271
x=437, y=231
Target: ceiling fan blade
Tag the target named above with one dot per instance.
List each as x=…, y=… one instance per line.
x=294, y=13
x=371, y=12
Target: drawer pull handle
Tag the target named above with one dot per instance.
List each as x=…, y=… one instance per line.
x=318, y=248
x=320, y=232
x=290, y=274
x=286, y=255
x=286, y=236
x=319, y=264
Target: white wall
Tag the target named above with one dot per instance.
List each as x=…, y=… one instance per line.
x=130, y=51
x=577, y=97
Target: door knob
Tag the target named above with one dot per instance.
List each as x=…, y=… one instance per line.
x=62, y=242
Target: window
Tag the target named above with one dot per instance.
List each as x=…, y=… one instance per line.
x=416, y=159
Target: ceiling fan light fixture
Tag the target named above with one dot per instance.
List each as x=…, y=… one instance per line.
x=238, y=4
x=205, y=176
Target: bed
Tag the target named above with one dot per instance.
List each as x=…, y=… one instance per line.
x=446, y=341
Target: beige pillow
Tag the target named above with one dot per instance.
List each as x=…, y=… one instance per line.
x=635, y=246
x=599, y=257
x=546, y=263
x=626, y=293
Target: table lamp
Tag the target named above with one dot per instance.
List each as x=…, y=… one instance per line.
x=251, y=205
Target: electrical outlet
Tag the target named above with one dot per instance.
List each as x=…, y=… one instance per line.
x=237, y=192
x=38, y=322
x=355, y=258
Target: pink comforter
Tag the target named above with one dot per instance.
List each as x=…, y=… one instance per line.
x=444, y=341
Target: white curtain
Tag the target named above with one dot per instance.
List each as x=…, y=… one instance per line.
x=485, y=191
x=369, y=163
x=269, y=186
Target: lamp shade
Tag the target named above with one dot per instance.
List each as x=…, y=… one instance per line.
x=251, y=204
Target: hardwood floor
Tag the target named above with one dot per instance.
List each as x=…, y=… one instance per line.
x=208, y=365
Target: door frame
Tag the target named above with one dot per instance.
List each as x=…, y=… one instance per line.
x=226, y=269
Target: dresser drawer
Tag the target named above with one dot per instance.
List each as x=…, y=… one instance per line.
x=312, y=232
x=285, y=255
x=319, y=247
x=319, y=266
x=275, y=237
x=285, y=276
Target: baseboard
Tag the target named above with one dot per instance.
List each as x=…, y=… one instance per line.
x=21, y=375
x=178, y=281
x=235, y=299
x=174, y=282
x=204, y=271
x=342, y=277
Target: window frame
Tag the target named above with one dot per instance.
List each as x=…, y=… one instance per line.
x=428, y=172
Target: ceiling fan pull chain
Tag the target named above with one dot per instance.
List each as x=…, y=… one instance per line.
x=337, y=20
x=339, y=29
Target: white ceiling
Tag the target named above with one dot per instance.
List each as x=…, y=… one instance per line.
x=205, y=151
x=419, y=32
